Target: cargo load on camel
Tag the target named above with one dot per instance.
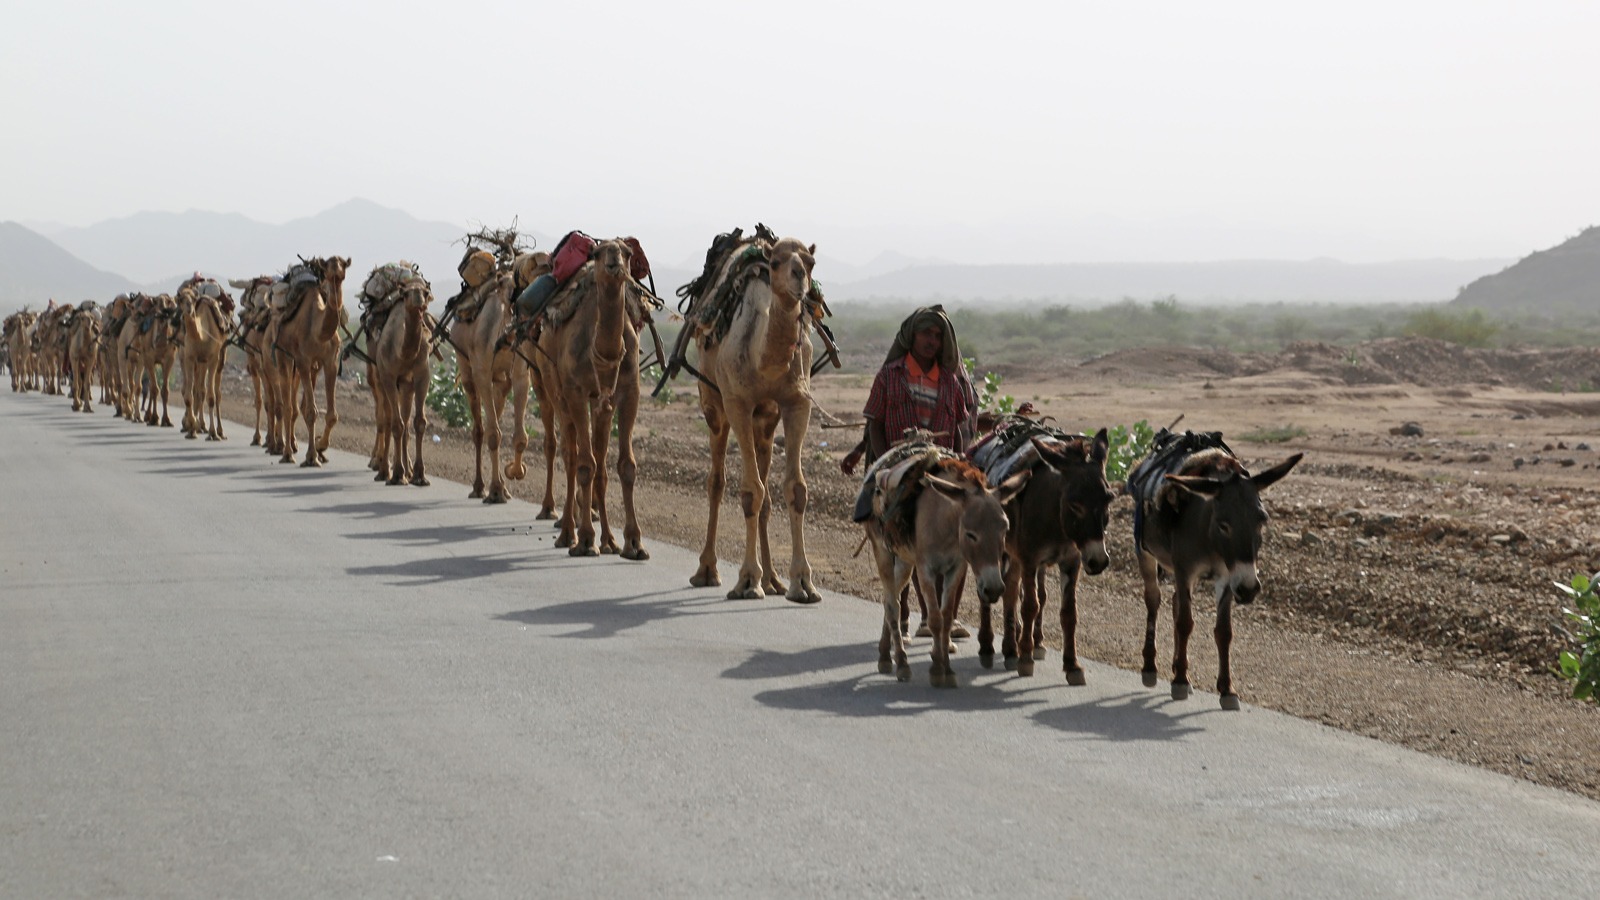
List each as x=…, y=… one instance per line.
x=711, y=301
x=380, y=294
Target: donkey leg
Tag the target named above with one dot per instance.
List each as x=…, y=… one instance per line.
x=1224, y=636
x=1150, y=574
x=1182, y=627
x=1012, y=574
x=1069, y=623
x=1041, y=592
x=1030, y=614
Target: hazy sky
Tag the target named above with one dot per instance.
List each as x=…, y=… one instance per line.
x=980, y=132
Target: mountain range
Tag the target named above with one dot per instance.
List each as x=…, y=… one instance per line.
x=154, y=251
x=1564, y=278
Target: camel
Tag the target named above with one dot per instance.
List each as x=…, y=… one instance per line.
x=19, y=344
x=399, y=377
x=155, y=347
x=589, y=362
x=50, y=347
x=83, y=350
x=111, y=322
x=759, y=374
x=205, y=342
x=492, y=367
x=128, y=359
x=251, y=337
x=307, y=340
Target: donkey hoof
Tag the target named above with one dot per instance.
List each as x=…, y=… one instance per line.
x=1230, y=702
x=1180, y=691
x=986, y=659
x=948, y=679
x=902, y=673
x=1011, y=663
x=1024, y=667
x=1038, y=653
x=1075, y=678
x=1149, y=678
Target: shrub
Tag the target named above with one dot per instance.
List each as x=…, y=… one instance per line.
x=989, y=397
x=1582, y=667
x=1128, y=445
x=446, y=397
x=1469, y=329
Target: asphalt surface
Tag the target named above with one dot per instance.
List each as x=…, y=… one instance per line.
x=225, y=677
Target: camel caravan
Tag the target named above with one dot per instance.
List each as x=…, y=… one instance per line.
x=949, y=489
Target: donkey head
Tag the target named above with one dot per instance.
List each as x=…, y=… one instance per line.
x=982, y=527
x=1234, y=519
x=1085, y=496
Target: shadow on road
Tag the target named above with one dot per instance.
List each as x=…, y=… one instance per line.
x=1127, y=717
x=609, y=617
x=416, y=537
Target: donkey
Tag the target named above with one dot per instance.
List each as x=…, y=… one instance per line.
x=955, y=521
x=1204, y=520
x=1058, y=519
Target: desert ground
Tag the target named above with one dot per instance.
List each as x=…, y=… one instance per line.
x=1408, y=577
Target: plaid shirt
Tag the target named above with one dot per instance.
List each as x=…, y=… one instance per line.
x=892, y=404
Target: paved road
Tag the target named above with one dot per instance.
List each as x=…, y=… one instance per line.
x=224, y=677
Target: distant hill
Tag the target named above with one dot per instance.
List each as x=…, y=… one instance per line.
x=154, y=248
x=1247, y=280
x=1565, y=278
x=33, y=269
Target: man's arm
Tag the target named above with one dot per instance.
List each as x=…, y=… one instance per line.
x=877, y=439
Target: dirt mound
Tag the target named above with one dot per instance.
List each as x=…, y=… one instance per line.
x=1175, y=362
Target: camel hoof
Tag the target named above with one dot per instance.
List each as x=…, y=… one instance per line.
x=773, y=587
x=310, y=463
x=1075, y=678
x=1149, y=678
x=545, y=515
x=420, y=481
x=255, y=441
x=477, y=494
x=986, y=659
x=495, y=498
x=637, y=554
x=396, y=480
x=563, y=540
x=802, y=596
x=1230, y=702
x=212, y=437
x=705, y=578
x=746, y=594
x=1038, y=653
x=381, y=476
x=190, y=436
x=1180, y=691
x=885, y=667
x=1024, y=667
x=583, y=550
x=322, y=457
x=287, y=460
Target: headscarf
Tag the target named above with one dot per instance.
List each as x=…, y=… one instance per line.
x=920, y=318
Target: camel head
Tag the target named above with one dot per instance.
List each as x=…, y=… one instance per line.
x=791, y=263
x=416, y=295
x=333, y=269
x=612, y=258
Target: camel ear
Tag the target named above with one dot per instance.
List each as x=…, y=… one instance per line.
x=1194, y=484
x=1011, y=487
x=948, y=488
x=1267, y=478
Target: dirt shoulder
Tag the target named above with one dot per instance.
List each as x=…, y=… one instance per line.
x=1408, y=578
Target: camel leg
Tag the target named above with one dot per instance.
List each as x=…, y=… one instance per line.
x=377, y=458
x=255, y=395
x=516, y=469
x=166, y=385
x=547, y=417
x=400, y=471
x=766, y=428
x=493, y=407
x=383, y=412
x=419, y=425
x=601, y=443
x=216, y=393
x=308, y=409
x=706, y=575
x=582, y=474
x=796, y=417
x=289, y=413
x=479, y=407
x=330, y=381
x=752, y=494
x=188, y=426
x=566, y=526
x=627, y=463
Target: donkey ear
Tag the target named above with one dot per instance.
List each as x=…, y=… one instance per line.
x=1052, y=457
x=1011, y=487
x=1194, y=484
x=948, y=488
x=1267, y=478
x=1101, y=448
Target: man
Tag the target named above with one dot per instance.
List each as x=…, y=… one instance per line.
x=922, y=384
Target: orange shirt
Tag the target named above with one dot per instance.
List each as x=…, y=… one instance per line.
x=924, y=388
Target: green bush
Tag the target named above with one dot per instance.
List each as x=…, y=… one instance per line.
x=988, y=387
x=1128, y=445
x=1582, y=667
x=446, y=397
x=1469, y=329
